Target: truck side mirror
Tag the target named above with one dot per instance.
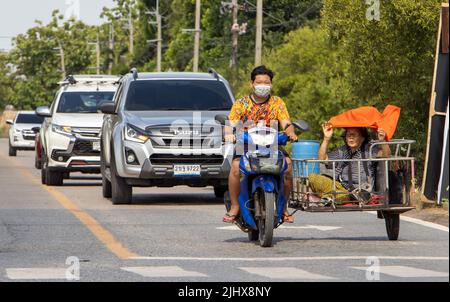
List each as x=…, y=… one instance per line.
x=43, y=111
x=107, y=108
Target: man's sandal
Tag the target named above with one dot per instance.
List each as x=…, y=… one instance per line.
x=228, y=218
x=288, y=218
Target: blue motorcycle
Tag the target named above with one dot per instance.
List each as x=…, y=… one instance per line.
x=262, y=166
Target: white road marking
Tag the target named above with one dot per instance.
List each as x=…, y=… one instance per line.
x=162, y=272
x=291, y=258
x=285, y=273
x=407, y=272
x=420, y=222
x=36, y=273
x=317, y=227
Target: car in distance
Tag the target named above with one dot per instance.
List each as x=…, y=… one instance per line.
x=70, y=134
x=21, y=133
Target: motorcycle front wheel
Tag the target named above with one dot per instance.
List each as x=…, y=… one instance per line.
x=266, y=222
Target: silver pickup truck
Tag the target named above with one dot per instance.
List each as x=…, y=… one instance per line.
x=160, y=130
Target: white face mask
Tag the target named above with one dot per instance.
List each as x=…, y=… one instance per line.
x=262, y=91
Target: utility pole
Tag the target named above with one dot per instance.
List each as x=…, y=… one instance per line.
x=97, y=48
x=63, y=63
x=197, y=35
x=235, y=31
x=259, y=24
x=159, y=45
x=111, y=47
x=158, y=40
x=131, y=27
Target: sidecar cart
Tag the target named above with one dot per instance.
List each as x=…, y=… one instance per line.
x=390, y=196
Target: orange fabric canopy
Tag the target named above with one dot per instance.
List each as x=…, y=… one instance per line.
x=369, y=117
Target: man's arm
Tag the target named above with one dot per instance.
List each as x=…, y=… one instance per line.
x=234, y=118
x=289, y=129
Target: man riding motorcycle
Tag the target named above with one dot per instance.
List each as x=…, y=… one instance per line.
x=258, y=108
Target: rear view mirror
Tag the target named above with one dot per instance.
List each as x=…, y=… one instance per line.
x=107, y=108
x=43, y=111
x=10, y=122
x=221, y=119
x=301, y=125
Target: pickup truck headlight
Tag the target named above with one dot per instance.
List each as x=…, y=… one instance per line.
x=66, y=130
x=134, y=134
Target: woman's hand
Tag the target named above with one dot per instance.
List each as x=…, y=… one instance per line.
x=327, y=131
x=381, y=135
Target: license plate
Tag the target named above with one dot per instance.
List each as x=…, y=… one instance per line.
x=96, y=146
x=186, y=170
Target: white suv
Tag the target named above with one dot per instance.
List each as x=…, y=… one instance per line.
x=23, y=131
x=70, y=134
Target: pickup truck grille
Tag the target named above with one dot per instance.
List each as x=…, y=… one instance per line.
x=28, y=135
x=169, y=159
x=173, y=137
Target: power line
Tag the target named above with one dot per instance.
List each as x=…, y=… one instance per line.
x=296, y=19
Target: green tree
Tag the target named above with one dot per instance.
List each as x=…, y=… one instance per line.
x=38, y=64
x=391, y=60
x=5, y=80
x=309, y=76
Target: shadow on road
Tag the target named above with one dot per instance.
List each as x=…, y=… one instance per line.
x=82, y=184
x=168, y=199
x=85, y=178
x=277, y=240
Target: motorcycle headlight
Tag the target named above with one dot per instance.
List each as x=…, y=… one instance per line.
x=261, y=139
x=66, y=130
x=134, y=134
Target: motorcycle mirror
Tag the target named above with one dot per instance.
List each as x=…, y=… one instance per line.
x=221, y=118
x=301, y=125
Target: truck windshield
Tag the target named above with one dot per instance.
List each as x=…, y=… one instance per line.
x=183, y=95
x=83, y=102
x=30, y=118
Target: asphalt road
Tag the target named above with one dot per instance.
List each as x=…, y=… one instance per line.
x=176, y=234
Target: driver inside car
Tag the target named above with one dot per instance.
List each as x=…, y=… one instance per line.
x=260, y=108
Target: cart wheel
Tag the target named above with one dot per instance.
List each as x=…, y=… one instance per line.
x=392, y=225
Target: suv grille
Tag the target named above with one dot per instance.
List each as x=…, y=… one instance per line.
x=87, y=132
x=169, y=159
x=84, y=148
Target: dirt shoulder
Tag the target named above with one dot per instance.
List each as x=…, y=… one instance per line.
x=435, y=215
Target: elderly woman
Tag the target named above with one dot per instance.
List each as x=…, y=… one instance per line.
x=357, y=146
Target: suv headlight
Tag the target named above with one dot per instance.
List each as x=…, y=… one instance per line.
x=134, y=134
x=65, y=130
